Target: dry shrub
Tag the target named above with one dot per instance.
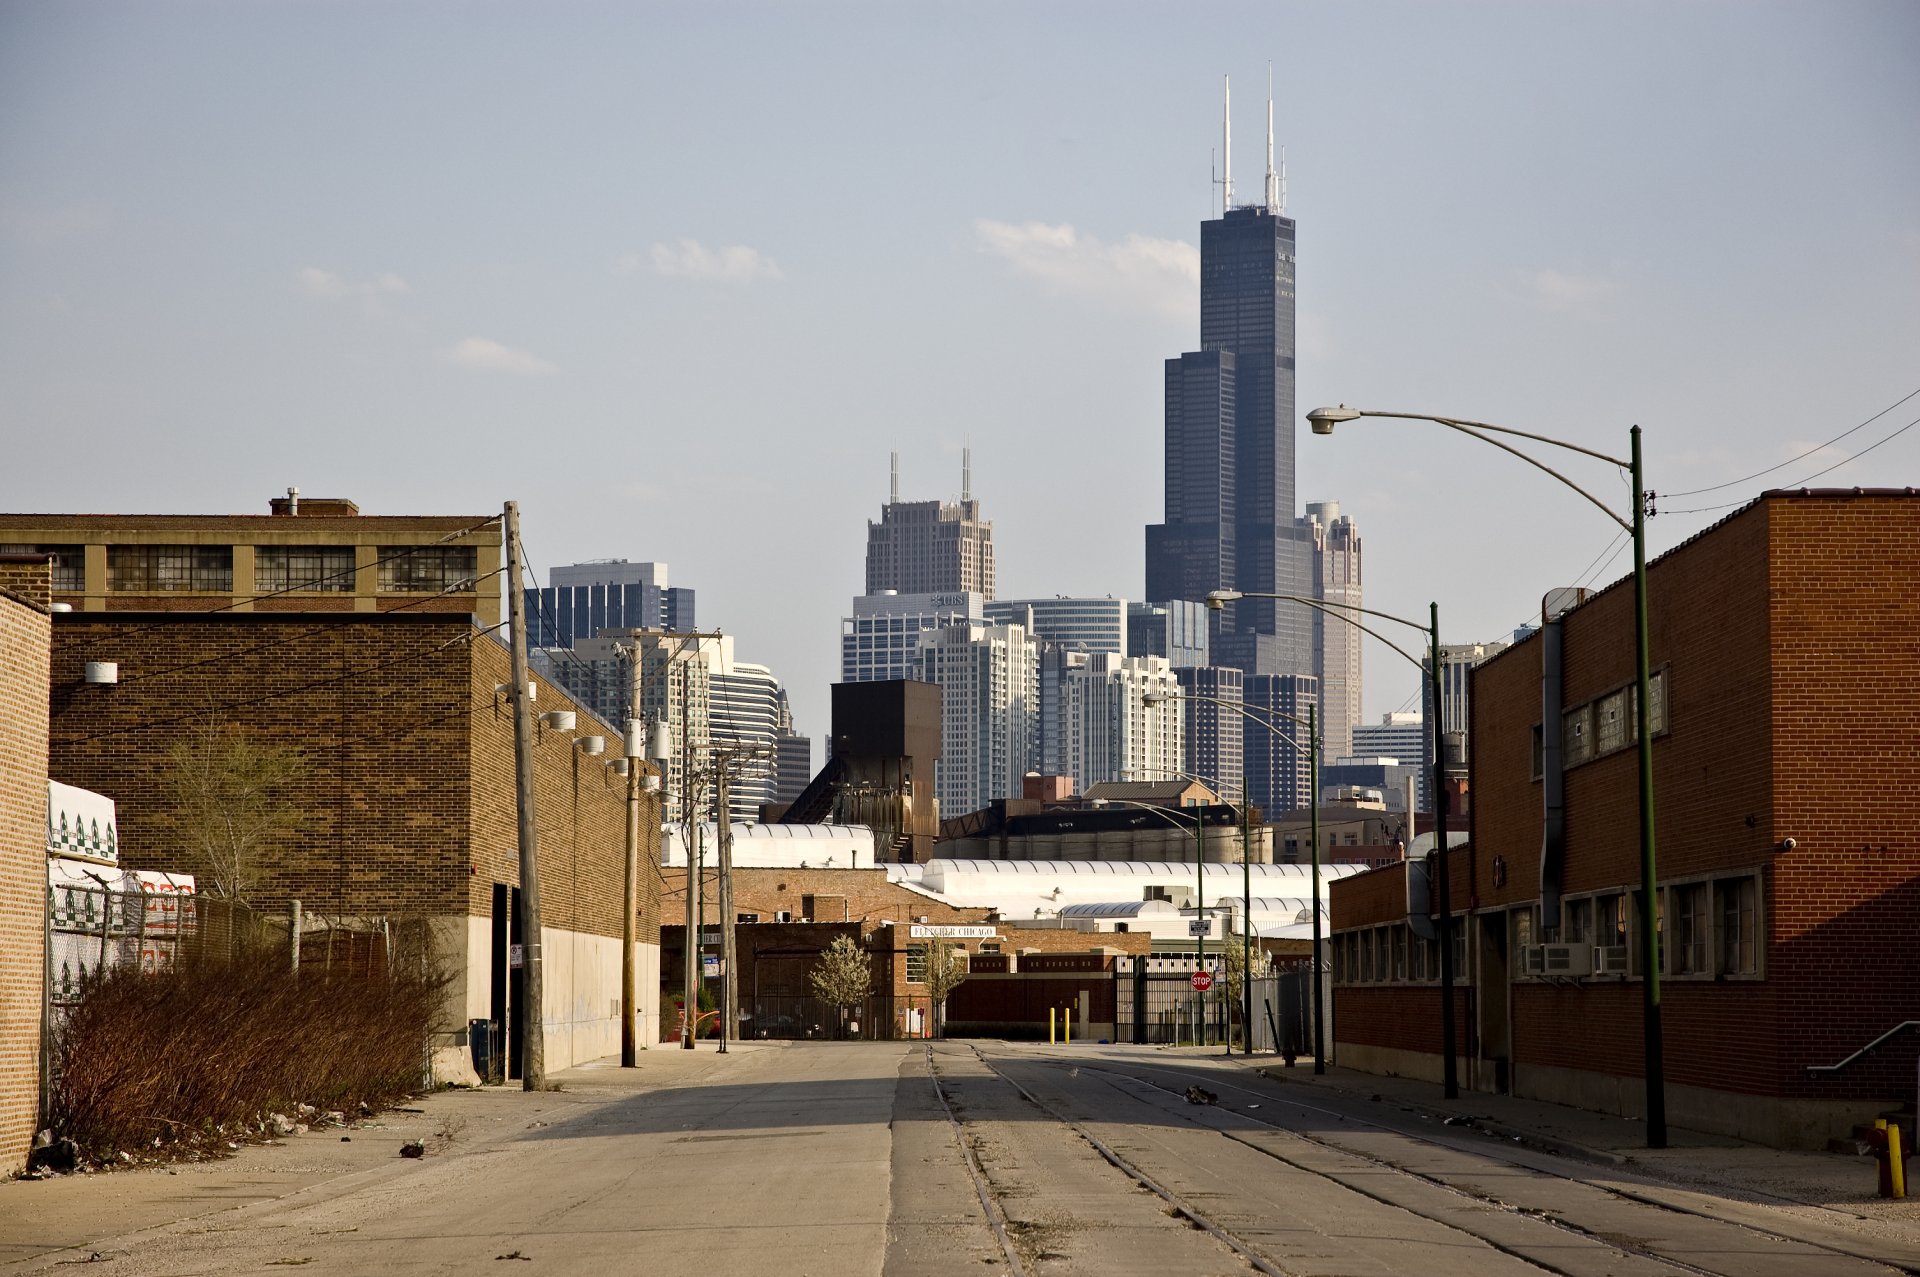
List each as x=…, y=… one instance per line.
x=206, y=1050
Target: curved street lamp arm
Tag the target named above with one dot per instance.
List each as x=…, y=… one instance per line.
x=1462, y=424
x=1245, y=711
x=1341, y=610
x=1465, y=428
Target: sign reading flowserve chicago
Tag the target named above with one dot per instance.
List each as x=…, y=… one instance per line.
x=921, y=931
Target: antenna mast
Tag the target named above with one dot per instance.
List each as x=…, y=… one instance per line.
x=1226, y=148
x=1273, y=179
x=893, y=491
x=966, y=473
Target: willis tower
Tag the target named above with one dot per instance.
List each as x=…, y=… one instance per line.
x=1230, y=514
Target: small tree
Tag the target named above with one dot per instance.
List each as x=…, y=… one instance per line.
x=946, y=971
x=228, y=802
x=1233, y=970
x=843, y=976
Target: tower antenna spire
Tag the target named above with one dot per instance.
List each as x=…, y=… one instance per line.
x=1226, y=147
x=1273, y=179
x=966, y=473
x=893, y=490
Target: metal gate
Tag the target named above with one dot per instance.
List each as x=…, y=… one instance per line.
x=1162, y=1008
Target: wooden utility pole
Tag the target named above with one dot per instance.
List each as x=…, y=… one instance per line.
x=533, y=1068
x=690, y=1013
x=630, y=890
x=727, y=1018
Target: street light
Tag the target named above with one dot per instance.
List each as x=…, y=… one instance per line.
x=1322, y=421
x=1312, y=751
x=1449, y=1071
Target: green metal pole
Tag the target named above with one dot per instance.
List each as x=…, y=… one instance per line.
x=1246, y=924
x=1649, y=885
x=1449, y=1070
x=1200, y=901
x=1313, y=804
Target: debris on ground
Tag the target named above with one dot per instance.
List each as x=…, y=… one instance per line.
x=1200, y=1095
x=413, y=1148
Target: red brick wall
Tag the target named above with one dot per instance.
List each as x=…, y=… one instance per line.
x=406, y=797
x=1789, y=639
x=1845, y=916
x=25, y=588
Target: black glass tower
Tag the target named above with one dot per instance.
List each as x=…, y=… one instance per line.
x=1230, y=507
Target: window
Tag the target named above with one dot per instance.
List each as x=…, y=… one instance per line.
x=326, y=568
x=1692, y=955
x=69, y=563
x=1610, y=722
x=427, y=568
x=916, y=964
x=1610, y=919
x=1736, y=900
x=1576, y=736
x=1366, y=956
x=1659, y=932
x=806, y=908
x=198, y=569
x=1578, y=928
x=746, y=917
x=1398, y=938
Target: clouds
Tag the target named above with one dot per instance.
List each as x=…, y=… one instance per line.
x=1568, y=293
x=326, y=284
x=1138, y=270
x=734, y=264
x=481, y=352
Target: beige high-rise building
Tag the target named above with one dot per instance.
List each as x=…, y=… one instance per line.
x=930, y=547
x=1337, y=653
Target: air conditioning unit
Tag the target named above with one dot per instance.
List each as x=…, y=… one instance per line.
x=1566, y=959
x=783, y=916
x=1533, y=960
x=1610, y=959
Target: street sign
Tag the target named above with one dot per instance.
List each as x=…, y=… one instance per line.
x=939, y=931
x=1199, y=927
x=516, y=956
x=1202, y=981
x=710, y=965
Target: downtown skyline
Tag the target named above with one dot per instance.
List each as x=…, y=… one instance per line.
x=432, y=264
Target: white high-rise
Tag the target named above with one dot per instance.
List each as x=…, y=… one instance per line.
x=744, y=710
x=882, y=638
x=1108, y=729
x=989, y=677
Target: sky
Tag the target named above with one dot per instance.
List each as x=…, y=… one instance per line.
x=678, y=279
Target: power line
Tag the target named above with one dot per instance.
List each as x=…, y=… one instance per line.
x=1708, y=509
x=1694, y=492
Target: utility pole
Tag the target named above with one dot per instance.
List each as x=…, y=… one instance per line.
x=690, y=1012
x=533, y=1069
x=726, y=898
x=630, y=890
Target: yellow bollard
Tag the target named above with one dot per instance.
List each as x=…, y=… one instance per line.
x=1896, y=1161
x=1066, y=1025
x=1051, y=1038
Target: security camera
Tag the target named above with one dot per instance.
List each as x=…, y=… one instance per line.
x=1788, y=844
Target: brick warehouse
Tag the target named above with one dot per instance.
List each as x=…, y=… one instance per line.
x=25, y=632
x=406, y=798
x=1785, y=645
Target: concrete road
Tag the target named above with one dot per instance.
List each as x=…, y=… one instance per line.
x=860, y=1158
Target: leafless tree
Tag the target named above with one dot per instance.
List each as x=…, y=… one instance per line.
x=229, y=802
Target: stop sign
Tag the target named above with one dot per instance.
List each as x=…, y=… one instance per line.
x=1202, y=981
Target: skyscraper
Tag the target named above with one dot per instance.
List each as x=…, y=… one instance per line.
x=581, y=599
x=1230, y=514
x=931, y=547
x=1336, y=644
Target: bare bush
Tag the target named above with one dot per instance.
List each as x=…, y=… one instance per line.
x=204, y=1050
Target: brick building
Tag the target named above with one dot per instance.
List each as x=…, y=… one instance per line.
x=1785, y=642
x=307, y=555
x=25, y=633
x=404, y=796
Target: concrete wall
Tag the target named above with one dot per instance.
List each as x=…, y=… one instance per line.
x=24, y=635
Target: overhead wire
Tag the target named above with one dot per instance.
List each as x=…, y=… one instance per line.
x=1709, y=509
x=1694, y=492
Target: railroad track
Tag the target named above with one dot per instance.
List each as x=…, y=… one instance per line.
x=1130, y=1082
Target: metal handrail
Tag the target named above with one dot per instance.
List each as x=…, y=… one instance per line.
x=1835, y=1068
